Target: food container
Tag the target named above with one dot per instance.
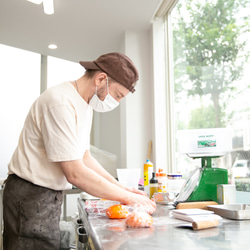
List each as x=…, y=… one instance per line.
x=175, y=183
x=233, y=211
x=164, y=198
x=226, y=194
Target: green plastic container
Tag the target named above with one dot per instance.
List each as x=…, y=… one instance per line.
x=206, y=188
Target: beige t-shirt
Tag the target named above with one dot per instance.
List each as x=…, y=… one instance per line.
x=57, y=128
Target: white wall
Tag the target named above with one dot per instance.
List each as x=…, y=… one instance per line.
x=106, y=131
x=139, y=106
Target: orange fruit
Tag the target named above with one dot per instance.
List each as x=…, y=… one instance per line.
x=117, y=212
x=139, y=219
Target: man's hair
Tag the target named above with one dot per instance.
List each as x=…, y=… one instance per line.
x=89, y=73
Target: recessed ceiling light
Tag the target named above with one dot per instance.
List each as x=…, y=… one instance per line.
x=35, y=1
x=48, y=7
x=52, y=46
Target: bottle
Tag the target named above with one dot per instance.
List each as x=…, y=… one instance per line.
x=164, y=183
x=141, y=185
x=153, y=186
x=161, y=177
x=148, y=170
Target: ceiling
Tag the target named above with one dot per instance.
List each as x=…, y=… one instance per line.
x=82, y=29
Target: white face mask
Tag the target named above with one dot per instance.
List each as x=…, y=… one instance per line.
x=108, y=104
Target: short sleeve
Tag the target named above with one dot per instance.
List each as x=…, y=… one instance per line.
x=60, y=134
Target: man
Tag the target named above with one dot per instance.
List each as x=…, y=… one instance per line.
x=53, y=154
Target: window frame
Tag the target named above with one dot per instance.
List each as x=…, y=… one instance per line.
x=164, y=91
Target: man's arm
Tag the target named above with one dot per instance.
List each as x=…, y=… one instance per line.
x=93, y=164
x=90, y=162
x=89, y=181
x=93, y=183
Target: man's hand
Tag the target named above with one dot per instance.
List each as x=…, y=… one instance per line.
x=136, y=191
x=95, y=184
x=141, y=202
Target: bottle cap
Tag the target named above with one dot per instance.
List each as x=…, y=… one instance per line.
x=153, y=179
x=149, y=162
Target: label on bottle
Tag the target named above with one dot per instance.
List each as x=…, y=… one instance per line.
x=153, y=188
x=148, y=170
x=159, y=187
x=145, y=175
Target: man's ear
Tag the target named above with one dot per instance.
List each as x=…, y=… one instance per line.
x=100, y=79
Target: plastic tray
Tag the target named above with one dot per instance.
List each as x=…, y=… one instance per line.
x=233, y=211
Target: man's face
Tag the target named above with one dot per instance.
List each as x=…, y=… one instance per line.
x=115, y=89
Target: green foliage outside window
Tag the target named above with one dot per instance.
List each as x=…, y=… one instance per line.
x=210, y=51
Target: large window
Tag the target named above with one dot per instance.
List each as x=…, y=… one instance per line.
x=20, y=86
x=60, y=70
x=211, y=48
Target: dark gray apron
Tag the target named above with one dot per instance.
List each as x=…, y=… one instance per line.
x=31, y=216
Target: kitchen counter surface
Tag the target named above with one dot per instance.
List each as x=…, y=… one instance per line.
x=108, y=234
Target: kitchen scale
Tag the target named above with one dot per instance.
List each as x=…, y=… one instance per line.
x=205, y=144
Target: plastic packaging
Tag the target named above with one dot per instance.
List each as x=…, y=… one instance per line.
x=138, y=219
x=148, y=170
x=153, y=186
x=98, y=206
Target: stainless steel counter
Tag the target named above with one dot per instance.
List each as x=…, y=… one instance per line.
x=107, y=234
